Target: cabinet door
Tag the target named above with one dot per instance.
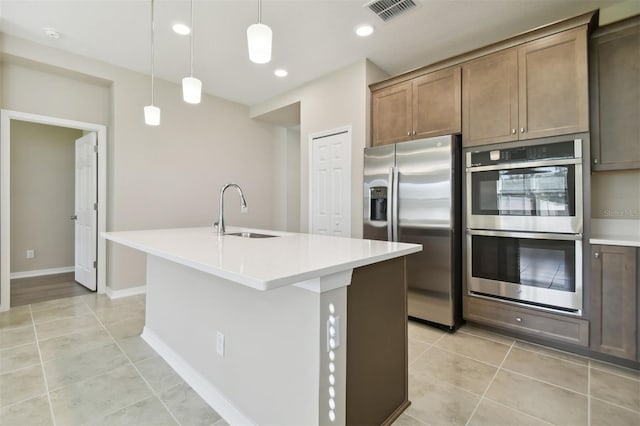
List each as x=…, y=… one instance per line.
x=553, y=85
x=615, y=99
x=436, y=103
x=490, y=99
x=391, y=114
x=614, y=289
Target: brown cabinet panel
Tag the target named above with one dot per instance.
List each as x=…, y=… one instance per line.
x=553, y=85
x=490, y=99
x=436, y=103
x=545, y=325
x=615, y=96
x=614, y=288
x=391, y=117
x=377, y=357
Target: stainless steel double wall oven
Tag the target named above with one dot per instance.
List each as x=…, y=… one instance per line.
x=524, y=223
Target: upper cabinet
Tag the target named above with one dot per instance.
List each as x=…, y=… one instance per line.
x=615, y=96
x=425, y=106
x=537, y=89
x=391, y=114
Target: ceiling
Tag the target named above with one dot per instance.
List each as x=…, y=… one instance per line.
x=310, y=37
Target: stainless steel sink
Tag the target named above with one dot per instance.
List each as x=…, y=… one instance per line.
x=250, y=235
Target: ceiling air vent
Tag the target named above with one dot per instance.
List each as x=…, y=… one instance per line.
x=387, y=9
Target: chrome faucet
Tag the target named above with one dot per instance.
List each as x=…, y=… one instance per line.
x=219, y=225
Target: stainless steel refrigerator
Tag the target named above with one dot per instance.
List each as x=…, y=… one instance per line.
x=412, y=194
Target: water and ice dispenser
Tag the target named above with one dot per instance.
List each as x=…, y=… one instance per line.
x=378, y=197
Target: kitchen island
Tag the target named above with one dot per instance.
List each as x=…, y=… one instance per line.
x=294, y=329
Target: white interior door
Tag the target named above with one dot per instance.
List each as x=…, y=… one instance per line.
x=331, y=184
x=86, y=217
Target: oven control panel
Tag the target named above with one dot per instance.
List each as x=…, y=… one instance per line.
x=522, y=153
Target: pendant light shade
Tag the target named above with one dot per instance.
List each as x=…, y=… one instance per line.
x=152, y=112
x=259, y=40
x=152, y=115
x=191, y=90
x=191, y=86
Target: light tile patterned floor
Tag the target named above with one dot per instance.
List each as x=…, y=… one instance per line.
x=82, y=361
x=474, y=377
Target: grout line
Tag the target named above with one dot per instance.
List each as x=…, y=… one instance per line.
x=517, y=411
x=153, y=391
x=615, y=405
x=551, y=355
x=545, y=382
x=495, y=340
x=420, y=355
x=467, y=356
x=589, y=393
x=22, y=400
x=489, y=385
x=615, y=373
x=44, y=373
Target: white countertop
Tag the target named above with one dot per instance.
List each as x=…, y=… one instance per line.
x=615, y=232
x=261, y=263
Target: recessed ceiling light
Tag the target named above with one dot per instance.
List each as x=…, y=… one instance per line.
x=181, y=28
x=52, y=32
x=281, y=73
x=364, y=30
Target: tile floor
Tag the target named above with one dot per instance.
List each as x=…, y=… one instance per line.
x=81, y=361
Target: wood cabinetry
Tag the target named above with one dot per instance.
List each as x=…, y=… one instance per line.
x=615, y=96
x=543, y=325
x=537, y=89
x=614, y=292
x=426, y=106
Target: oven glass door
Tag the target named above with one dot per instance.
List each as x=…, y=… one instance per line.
x=536, y=199
x=532, y=268
x=535, y=191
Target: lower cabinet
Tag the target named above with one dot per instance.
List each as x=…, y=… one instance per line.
x=539, y=324
x=614, y=301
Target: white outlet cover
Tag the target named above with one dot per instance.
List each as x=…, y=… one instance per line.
x=220, y=343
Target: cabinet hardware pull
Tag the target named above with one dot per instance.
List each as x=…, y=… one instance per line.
x=408, y=133
x=596, y=255
x=521, y=129
x=513, y=131
x=414, y=133
x=595, y=161
x=518, y=319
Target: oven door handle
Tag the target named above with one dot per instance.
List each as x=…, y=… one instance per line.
x=527, y=235
x=524, y=165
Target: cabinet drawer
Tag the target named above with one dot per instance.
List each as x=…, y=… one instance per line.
x=540, y=324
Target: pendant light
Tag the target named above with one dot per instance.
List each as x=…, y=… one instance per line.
x=152, y=112
x=191, y=86
x=259, y=40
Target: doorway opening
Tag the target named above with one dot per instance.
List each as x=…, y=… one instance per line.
x=86, y=214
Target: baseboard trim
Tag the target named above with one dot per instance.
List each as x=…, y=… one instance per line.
x=125, y=292
x=202, y=386
x=42, y=272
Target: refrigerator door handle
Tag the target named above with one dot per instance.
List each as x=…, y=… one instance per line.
x=395, y=207
x=390, y=190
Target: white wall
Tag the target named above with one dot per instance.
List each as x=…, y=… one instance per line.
x=336, y=100
x=167, y=176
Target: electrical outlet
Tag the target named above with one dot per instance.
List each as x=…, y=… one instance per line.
x=31, y=253
x=220, y=343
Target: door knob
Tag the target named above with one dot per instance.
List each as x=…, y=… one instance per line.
x=74, y=217
x=596, y=255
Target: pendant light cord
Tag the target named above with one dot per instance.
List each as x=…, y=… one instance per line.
x=191, y=39
x=259, y=11
x=152, y=49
